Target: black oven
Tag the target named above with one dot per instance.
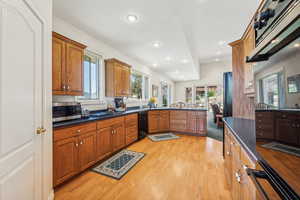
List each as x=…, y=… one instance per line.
x=66, y=111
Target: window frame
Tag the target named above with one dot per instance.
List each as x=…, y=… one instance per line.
x=100, y=63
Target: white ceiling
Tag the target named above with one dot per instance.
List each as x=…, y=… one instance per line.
x=187, y=29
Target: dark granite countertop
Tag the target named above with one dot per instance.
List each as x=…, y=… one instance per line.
x=244, y=132
x=278, y=110
x=101, y=115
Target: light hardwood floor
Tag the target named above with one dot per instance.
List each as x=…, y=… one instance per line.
x=189, y=168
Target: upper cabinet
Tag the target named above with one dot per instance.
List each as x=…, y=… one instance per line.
x=249, y=45
x=67, y=66
x=117, y=78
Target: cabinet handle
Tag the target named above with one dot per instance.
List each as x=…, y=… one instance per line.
x=78, y=131
x=76, y=145
x=68, y=87
x=228, y=153
x=81, y=142
x=64, y=87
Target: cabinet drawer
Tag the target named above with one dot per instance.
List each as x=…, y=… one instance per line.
x=132, y=131
x=178, y=115
x=63, y=133
x=164, y=112
x=153, y=112
x=264, y=115
x=109, y=122
x=131, y=120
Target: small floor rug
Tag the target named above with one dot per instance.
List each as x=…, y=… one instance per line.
x=283, y=148
x=162, y=137
x=118, y=165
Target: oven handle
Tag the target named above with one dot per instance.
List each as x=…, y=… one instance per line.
x=254, y=174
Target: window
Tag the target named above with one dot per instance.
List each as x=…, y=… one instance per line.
x=146, y=87
x=136, y=85
x=269, y=90
x=188, y=95
x=200, y=96
x=91, y=70
x=164, y=93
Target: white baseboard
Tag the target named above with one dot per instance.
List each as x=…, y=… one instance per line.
x=51, y=195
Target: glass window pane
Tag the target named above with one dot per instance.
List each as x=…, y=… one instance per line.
x=188, y=95
x=271, y=90
x=136, y=85
x=86, y=80
x=200, y=96
x=146, y=89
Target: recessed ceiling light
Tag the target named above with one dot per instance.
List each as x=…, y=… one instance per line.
x=168, y=58
x=184, y=61
x=157, y=44
x=297, y=45
x=132, y=18
x=217, y=59
x=218, y=52
x=154, y=64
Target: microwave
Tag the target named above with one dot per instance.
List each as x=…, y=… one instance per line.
x=63, y=111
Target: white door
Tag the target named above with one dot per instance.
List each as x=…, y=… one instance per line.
x=20, y=101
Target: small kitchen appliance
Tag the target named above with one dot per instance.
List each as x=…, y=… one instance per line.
x=63, y=111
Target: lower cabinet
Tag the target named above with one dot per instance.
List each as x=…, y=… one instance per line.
x=78, y=147
x=131, y=130
x=104, y=143
x=236, y=163
x=86, y=150
x=158, y=121
x=65, y=155
x=118, y=136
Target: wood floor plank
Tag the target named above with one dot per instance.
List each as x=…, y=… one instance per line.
x=189, y=168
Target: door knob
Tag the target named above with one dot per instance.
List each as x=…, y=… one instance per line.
x=40, y=130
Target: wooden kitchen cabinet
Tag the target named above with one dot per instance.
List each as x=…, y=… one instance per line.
x=131, y=128
x=196, y=122
x=78, y=147
x=87, y=150
x=158, y=121
x=236, y=163
x=104, y=143
x=67, y=66
x=164, y=120
x=117, y=78
x=249, y=45
x=178, y=121
x=153, y=121
x=74, y=150
x=118, y=136
x=65, y=159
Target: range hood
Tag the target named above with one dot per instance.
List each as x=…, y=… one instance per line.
x=281, y=32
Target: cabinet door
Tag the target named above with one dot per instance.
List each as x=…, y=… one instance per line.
x=153, y=122
x=119, y=85
x=65, y=159
x=286, y=131
x=118, y=136
x=236, y=170
x=126, y=81
x=87, y=150
x=74, y=70
x=249, y=45
x=58, y=66
x=228, y=158
x=164, y=121
x=104, y=143
x=131, y=134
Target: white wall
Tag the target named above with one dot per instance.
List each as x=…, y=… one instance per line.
x=44, y=8
x=210, y=74
x=97, y=46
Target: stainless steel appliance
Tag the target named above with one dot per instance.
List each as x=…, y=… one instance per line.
x=276, y=25
x=63, y=111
